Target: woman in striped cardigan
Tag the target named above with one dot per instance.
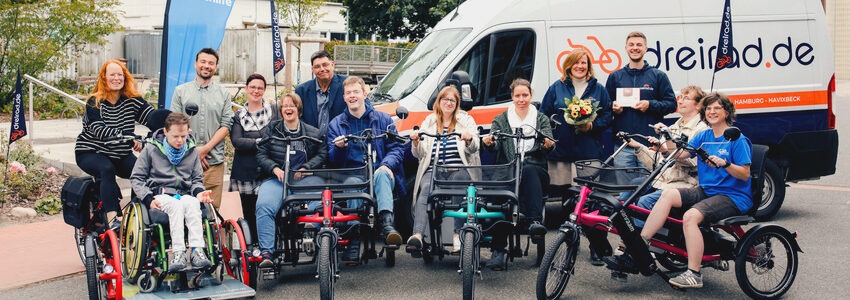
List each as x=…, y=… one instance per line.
x=112, y=110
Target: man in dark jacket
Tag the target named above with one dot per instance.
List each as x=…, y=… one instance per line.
x=657, y=98
x=322, y=96
x=359, y=117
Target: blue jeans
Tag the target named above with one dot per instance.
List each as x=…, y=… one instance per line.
x=269, y=201
x=384, y=183
x=647, y=201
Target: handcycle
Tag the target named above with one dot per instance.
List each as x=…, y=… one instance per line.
x=145, y=240
x=97, y=244
x=490, y=203
x=766, y=251
x=296, y=229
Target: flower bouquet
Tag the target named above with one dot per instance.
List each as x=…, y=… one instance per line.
x=579, y=112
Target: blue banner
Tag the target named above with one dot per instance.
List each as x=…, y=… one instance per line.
x=278, y=61
x=724, y=43
x=19, y=122
x=190, y=25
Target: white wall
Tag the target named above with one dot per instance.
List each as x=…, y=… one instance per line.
x=149, y=14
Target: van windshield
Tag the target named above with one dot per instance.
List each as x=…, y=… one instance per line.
x=418, y=64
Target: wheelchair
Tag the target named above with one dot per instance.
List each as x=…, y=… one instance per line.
x=145, y=241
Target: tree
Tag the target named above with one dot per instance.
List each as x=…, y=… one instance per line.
x=397, y=18
x=44, y=35
x=302, y=15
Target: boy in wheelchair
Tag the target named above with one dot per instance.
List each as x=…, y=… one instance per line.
x=166, y=175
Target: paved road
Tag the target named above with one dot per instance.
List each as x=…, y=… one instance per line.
x=817, y=214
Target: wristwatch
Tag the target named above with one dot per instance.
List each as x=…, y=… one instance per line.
x=726, y=165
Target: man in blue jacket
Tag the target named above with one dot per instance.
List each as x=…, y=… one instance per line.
x=322, y=96
x=657, y=97
x=358, y=117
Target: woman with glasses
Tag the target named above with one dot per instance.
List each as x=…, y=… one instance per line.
x=462, y=150
x=249, y=124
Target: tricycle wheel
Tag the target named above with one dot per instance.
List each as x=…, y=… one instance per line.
x=468, y=264
x=767, y=265
x=327, y=269
x=557, y=266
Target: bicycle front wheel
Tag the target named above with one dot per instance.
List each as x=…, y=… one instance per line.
x=326, y=267
x=468, y=265
x=557, y=266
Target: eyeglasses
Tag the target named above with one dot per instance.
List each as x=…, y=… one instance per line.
x=256, y=88
x=289, y=106
x=449, y=100
x=322, y=66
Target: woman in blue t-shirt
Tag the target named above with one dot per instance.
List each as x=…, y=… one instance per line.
x=723, y=191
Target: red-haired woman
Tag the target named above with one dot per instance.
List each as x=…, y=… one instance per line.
x=112, y=109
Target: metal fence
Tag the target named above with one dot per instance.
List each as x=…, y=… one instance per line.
x=369, y=53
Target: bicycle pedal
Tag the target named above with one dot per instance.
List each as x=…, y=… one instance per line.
x=619, y=276
x=721, y=265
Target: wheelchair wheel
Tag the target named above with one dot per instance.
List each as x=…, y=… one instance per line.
x=327, y=267
x=134, y=241
x=767, y=264
x=557, y=266
x=468, y=264
x=93, y=261
x=147, y=282
x=235, y=254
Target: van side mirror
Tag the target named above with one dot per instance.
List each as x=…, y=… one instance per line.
x=401, y=112
x=732, y=133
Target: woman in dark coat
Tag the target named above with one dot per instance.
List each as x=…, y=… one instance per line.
x=249, y=124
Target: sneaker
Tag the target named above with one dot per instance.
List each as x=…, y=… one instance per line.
x=267, y=260
x=687, y=280
x=178, y=262
x=497, y=260
x=392, y=236
x=595, y=259
x=623, y=263
x=199, y=259
x=537, y=232
x=414, y=245
x=352, y=253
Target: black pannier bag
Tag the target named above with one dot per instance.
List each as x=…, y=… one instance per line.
x=76, y=194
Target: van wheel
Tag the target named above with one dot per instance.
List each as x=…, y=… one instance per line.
x=773, y=192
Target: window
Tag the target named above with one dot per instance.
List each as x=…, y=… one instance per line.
x=496, y=60
x=337, y=36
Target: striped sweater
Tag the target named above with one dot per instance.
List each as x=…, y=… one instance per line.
x=111, y=120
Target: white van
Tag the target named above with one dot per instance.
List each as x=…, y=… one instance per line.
x=782, y=84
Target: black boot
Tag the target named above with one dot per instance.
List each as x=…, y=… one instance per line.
x=391, y=236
